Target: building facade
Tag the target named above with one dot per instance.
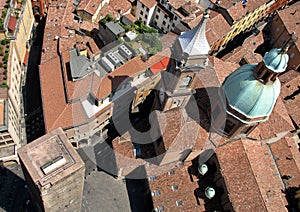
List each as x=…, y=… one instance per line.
x=19, y=34
x=167, y=16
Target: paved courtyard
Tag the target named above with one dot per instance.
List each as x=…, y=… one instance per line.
x=104, y=193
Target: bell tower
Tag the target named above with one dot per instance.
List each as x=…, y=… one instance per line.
x=189, y=57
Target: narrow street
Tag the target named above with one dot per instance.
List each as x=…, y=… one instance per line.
x=32, y=91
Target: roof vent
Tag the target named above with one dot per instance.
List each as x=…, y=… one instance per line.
x=152, y=178
x=179, y=203
x=159, y=208
x=171, y=172
x=54, y=164
x=155, y=193
x=174, y=187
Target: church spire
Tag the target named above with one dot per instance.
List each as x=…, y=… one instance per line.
x=193, y=43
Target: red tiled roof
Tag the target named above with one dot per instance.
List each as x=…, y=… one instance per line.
x=12, y=23
x=185, y=192
x=216, y=28
x=251, y=179
x=116, y=8
x=235, y=8
x=290, y=19
x=52, y=90
x=240, y=181
x=148, y=3
x=177, y=3
x=279, y=122
x=57, y=112
x=223, y=69
x=130, y=17
x=290, y=94
x=287, y=161
x=161, y=65
x=89, y=6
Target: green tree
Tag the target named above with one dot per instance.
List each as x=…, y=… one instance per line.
x=5, y=58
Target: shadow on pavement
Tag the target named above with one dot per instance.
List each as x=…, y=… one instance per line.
x=14, y=194
x=139, y=192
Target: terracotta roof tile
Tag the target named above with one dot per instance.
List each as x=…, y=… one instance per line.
x=290, y=94
x=52, y=89
x=123, y=5
x=266, y=175
x=279, y=122
x=223, y=69
x=130, y=17
x=12, y=23
x=60, y=24
x=177, y=3
x=148, y=3
x=161, y=65
x=75, y=89
x=123, y=151
x=89, y=6
x=290, y=18
x=185, y=192
x=216, y=28
x=57, y=112
x=73, y=115
x=235, y=9
x=287, y=161
x=250, y=177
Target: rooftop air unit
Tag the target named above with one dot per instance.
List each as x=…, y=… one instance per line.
x=113, y=59
x=107, y=65
x=125, y=52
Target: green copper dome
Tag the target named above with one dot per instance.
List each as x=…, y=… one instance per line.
x=276, y=60
x=248, y=95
